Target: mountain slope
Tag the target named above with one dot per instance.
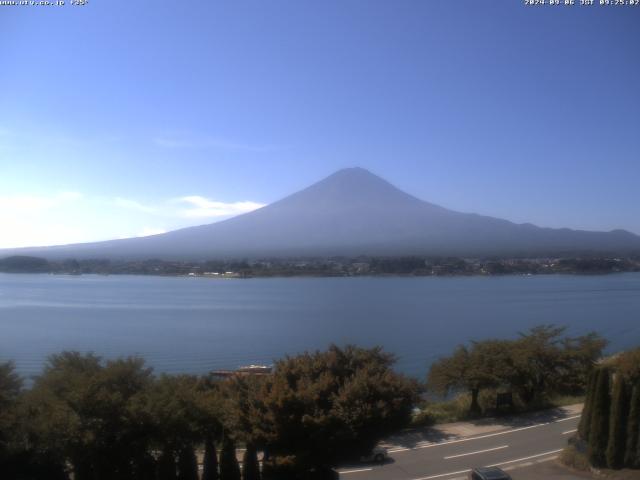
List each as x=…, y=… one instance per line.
x=351, y=212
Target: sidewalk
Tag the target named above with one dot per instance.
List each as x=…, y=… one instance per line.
x=452, y=431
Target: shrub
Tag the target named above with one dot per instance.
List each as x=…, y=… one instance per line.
x=572, y=458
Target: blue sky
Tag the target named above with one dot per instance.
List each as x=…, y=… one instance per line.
x=128, y=118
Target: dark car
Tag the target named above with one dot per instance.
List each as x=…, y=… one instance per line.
x=489, y=473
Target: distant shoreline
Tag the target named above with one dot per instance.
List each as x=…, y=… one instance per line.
x=329, y=267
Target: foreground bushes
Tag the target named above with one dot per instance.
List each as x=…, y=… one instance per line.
x=573, y=458
x=117, y=420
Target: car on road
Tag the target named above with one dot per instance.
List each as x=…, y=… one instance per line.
x=488, y=473
x=377, y=455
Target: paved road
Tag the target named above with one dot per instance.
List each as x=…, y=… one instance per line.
x=511, y=449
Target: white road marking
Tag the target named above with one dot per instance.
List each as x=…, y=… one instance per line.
x=570, y=431
x=565, y=419
x=529, y=464
x=525, y=458
x=443, y=474
x=498, y=465
x=468, y=439
x=345, y=472
x=478, y=451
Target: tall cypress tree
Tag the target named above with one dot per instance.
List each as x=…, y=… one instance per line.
x=167, y=466
x=599, y=429
x=210, y=467
x=585, y=419
x=144, y=467
x=633, y=431
x=250, y=465
x=637, y=460
x=187, y=464
x=617, y=423
x=229, y=468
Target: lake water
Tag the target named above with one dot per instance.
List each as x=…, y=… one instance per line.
x=198, y=324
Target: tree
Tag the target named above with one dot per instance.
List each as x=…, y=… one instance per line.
x=538, y=360
x=167, y=466
x=183, y=411
x=617, y=423
x=10, y=389
x=13, y=457
x=170, y=403
x=631, y=457
x=81, y=410
x=451, y=374
x=344, y=399
x=579, y=357
x=144, y=467
x=599, y=429
x=24, y=264
x=250, y=465
x=210, y=462
x=229, y=468
x=487, y=364
x=539, y=363
x=628, y=364
x=187, y=464
x=585, y=419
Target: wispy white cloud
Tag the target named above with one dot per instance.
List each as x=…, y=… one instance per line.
x=20, y=204
x=31, y=220
x=133, y=205
x=71, y=217
x=204, y=141
x=201, y=207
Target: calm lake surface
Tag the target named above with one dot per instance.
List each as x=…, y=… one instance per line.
x=198, y=324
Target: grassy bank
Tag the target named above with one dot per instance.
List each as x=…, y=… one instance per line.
x=575, y=460
x=457, y=409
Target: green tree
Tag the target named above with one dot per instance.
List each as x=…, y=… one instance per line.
x=250, y=465
x=579, y=357
x=243, y=413
x=183, y=411
x=585, y=419
x=229, y=468
x=631, y=457
x=10, y=389
x=81, y=410
x=628, y=364
x=167, y=468
x=170, y=403
x=187, y=464
x=144, y=467
x=17, y=458
x=617, y=423
x=210, y=462
x=599, y=430
x=486, y=364
x=345, y=399
x=539, y=363
x=452, y=374
x=538, y=360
